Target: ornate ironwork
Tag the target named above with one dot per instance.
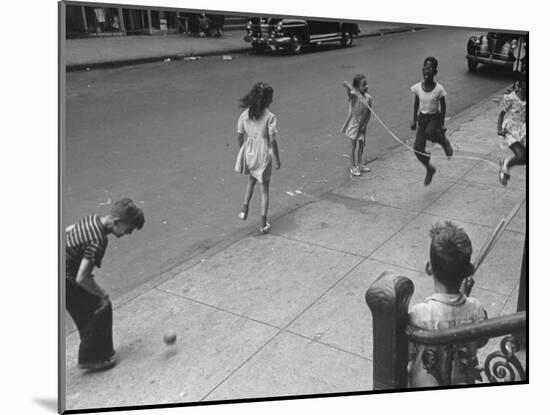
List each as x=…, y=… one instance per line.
x=429, y=362
x=458, y=365
x=503, y=365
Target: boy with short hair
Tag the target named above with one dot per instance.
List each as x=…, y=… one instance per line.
x=448, y=307
x=88, y=303
x=429, y=111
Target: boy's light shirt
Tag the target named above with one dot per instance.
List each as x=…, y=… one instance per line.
x=429, y=101
x=442, y=311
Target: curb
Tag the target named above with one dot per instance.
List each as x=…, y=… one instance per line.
x=137, y=61
x=244, y=49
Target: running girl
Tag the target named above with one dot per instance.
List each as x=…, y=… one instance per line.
x=260, y=149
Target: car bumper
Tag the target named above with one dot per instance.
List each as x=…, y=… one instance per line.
x=490, y=60
x=269, y=42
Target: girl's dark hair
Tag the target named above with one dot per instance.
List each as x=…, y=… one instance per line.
x=431, y=59
x=257, y=99
x=357, y=80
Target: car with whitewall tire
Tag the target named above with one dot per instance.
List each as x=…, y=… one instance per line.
x=293, y=35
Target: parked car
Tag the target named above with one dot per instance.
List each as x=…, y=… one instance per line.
x=294, y=34
x=497, y=48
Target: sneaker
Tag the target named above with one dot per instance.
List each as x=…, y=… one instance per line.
x=242, y=215
x=503, y=177
x=354, y=172
x=429, y=175
x=364, y=168
x=266, y=228
x=96, y=366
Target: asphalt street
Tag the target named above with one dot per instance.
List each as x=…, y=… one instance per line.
x=164, y=135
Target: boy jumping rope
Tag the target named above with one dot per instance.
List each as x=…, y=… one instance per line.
x=88, y=303
x=429, y=116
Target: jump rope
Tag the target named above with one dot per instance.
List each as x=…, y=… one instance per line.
x=499, y=229
x=395, y=137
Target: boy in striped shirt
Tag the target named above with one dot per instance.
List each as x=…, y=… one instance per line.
x=88, y=303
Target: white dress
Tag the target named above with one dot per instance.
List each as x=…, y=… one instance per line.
x=254, y=156
x=514, y=119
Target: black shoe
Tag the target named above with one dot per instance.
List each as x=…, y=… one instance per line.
x=98, y=366
x=430, y=171
x=448, y=148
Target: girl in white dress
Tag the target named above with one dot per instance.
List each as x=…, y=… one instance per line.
x=259, y=151
x=355, y=126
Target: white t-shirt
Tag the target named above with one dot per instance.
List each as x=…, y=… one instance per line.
x=429, y=101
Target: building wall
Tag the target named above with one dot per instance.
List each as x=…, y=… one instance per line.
x=83, y=21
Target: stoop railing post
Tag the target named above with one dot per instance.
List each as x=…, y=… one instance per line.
x=388, y=299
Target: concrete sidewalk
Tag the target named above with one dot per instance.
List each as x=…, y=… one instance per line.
x=284, y=314
x=100, y=52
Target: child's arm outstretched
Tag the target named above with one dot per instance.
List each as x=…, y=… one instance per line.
x=349, y=89
x=415, y=112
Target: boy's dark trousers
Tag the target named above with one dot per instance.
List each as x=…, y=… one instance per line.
x=94, y=326
x=428, y=128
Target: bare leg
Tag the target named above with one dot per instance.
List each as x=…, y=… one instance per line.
x=352, y=156
x=249, y=190
x=519, y=157
x=360, y=160
x=264, y=228
x=264, y=188
x=247, y=196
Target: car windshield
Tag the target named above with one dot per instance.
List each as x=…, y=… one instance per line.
x=265, y=20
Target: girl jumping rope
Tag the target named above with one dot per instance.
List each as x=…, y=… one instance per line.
x=511, y=126
x=260, y=149
x=355, y=126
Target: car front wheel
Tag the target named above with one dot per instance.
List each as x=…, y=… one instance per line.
x=296, y=45
x=472, y=65
x=347, y=39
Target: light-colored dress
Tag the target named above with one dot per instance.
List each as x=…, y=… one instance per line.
x=514, y=119
x=254, y=156
x=439, y=312
x=355, y=126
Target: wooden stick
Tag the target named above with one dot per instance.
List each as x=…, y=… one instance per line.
x=468, y=283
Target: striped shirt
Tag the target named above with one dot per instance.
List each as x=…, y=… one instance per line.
x=85, y=239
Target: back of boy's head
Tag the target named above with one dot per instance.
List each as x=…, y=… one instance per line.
x=128, y=212
x=357, y=80
x=431, y=59
x=450, y=253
